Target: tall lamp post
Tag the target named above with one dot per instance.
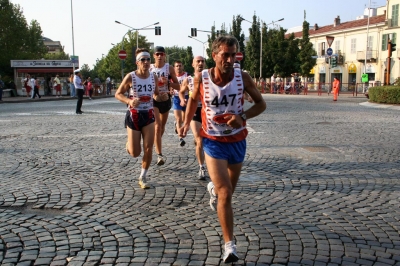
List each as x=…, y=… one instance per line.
x=199, y=41
x=261, y=38
x=137, y=39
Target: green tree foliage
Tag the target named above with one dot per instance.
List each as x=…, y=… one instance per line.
x=56, y=56
x=306, y=51
x=211, y=37
x=188, y=60
x=18, y=40
x=237, y=32
x=252, y=59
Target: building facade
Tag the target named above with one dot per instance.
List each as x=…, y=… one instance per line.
x=359, y=46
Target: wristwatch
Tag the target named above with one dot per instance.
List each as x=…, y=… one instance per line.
x=243, y=116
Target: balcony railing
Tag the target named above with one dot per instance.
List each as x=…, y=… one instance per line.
x=371, y=55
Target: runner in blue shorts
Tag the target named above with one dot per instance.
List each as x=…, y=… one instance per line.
x=179, y=111
x=221, y=91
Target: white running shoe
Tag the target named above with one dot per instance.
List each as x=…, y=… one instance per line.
x=230, y=254
x=213, y=197
x=160, y=160
x=143, y=183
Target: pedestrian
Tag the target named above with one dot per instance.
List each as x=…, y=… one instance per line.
x=273, y=83
x=72, y=86
x=108, y=84
x=79, y=90
x=1, y=89
x=32, y=84
x=296, y=82
x=89, y=87
x=57, y=86
x=224, y=132
x=179, y=111
x=141, y=86
x=335, y=88
x=36, y=88
x=96, y=84
x=186, y=90
x=278, y=82
x=165, y=72
x=27, y=85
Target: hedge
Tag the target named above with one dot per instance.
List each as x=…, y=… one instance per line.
x=384, y=94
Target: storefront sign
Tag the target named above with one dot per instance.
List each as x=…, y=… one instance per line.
x=352, y=69
x=41, y=63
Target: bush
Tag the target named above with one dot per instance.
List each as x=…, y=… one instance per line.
x=384, y=94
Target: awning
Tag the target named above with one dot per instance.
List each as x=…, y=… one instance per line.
x=44, y=70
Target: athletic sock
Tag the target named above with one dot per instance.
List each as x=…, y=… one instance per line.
x=144, y=172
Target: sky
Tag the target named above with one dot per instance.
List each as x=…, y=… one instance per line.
x=95, y=29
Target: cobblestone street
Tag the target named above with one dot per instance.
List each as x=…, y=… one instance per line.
x=319, y=186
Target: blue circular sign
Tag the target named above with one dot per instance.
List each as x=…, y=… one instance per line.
x=329, y=51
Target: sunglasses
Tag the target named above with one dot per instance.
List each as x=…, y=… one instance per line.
x=144, y=59
x=160, y=54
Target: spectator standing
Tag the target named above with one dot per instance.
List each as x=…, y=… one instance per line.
x=97, y=83
x=27, y=85
x=278, y=82
x=108, y=84
x=335, y=88
x=273, y=83
x=1, y=89
x=72, y=86
x=79, y=90
x=57, y=86
x=89, y=87
x=36, y=88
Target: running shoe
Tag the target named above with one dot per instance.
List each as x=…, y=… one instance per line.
x=213, y=197
x=143, y=183
x=202, y=175
x=230, y=254
x=182, y=142
x=160, y=160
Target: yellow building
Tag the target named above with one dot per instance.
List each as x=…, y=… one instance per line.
x=360, y=46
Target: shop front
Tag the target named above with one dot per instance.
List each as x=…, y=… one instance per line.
x=45, y=71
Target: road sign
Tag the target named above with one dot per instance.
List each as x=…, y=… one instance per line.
x=330, y=39
x=122, y=54
x=239, y=56
x=329, y=51
x=74, y=59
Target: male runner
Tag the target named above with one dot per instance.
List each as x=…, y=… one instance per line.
x=221, y=91
x=195, y=124
x=164, y=72
x=179, y=111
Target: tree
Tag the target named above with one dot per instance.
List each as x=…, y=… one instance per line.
x=306, y=52
x=188, y=60
x=237, y=32
x=209, y=61
x=252, y=59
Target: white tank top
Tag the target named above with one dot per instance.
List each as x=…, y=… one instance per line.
x=219, y=102
x=191, y=87
x=161, y=72
x=180, y=80
x=144, y=90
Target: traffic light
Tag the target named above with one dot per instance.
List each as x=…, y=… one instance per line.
x=193, y=32
x=158, y=30
x=391, y=48
x=333, y=61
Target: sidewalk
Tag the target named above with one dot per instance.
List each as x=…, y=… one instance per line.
x=22, y=99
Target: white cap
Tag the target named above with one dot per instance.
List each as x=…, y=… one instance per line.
x=77, y=71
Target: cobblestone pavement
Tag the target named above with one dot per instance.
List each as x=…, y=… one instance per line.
x=320, y=186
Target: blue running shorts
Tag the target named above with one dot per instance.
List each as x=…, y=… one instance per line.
x=233, y=152
x=177, y=103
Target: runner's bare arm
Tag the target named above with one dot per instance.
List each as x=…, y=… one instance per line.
x=182, y=91
x=259, y=103
x=175, y=85
x=191, y=106
x=124, y=88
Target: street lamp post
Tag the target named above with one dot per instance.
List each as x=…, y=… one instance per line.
x=137, y=39
x=199, y=41
x=261, y=38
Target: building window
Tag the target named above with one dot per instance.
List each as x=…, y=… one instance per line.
x=385, y=38
x=395, y=15
x=321, y=49
x=370, y=44
x=337, y=47
x=353, y=46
